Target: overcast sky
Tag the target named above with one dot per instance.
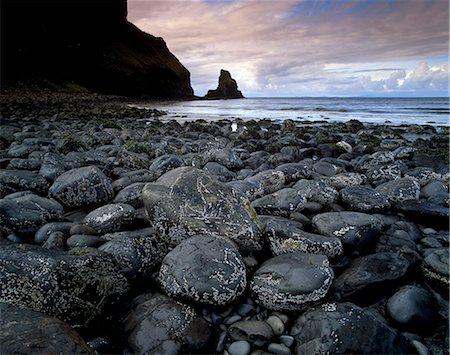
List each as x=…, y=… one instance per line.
x=306, y=47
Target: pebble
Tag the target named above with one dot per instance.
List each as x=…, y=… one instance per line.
x=245, y=310
x=233, y=319
x=241, y=347
x=276, y=324
x=287, y=340
x=276, y=348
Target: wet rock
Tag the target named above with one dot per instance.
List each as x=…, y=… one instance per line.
x=275, y=348
x=158, y=324
x=18, y=180
x=109, y=218
x=47, y=229
x=222, y=173
x=384, y=173
x=318, y=191
x=240, y=347
x=52, y=166
x=412, y=308
x=226, y=157
x=324, y=168
x=136, y=252
x=426, y=213
x=287, y=236
x=276, y=324
x=186, y=201
x=280, y=202
x=368, y=277
x=435, y=268
x=73, y=286
x=292, y=281
x=354, y=229
x=132, y=195
x=23, y=164
x=364, y=199
x=84, y=240
x=204, y=269
x=435, y=192
x=56, y=240
x=342, y=328
x=163, y=164
x=22, y=331
x=256, y=332
x=342, y=180
x=294, y=171
x=269, y=180
x=399, y=190
x=247, y=188
x=26, y=214
x=82, y=186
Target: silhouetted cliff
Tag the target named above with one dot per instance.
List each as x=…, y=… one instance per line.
x=227, y=88
x=88, y=43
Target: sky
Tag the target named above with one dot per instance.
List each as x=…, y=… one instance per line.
x=302, y=48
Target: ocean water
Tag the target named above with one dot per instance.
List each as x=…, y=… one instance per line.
x=395, y=111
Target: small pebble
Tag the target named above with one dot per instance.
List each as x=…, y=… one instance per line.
x=240, y=347
x=232, y=319
x=278, y=349
x=221, y=342
x=250, y=262
x=284, y=318
x=428, y=231
x=276, y=324
x=245, y=309
x=287, y=340
x=420, y=348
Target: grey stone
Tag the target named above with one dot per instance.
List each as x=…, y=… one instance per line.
x=247, y=188
x=256, y=332
x=364, y=199
x=163, y=164
x=19, y=180
x=136, y=252
x=132, y=195
x=110, y=218
x=343, y=328
x=286, y=236
x=324, y=168
x=292, y=281
x=24, y=164
x=342, y=180
x=47, y=229
x=287, y=340
x=413, y=309
x=399, y=190
x=269, y=180
x=368, y=277
x=26, y=214
x=435, y=268
x=160, y=325
x=276, y=324
x=187, y=201
x=82, y=186
x=222, y=173
x=426, y=213
x=316, y=191
x=226, y=157
x=435, y=192
x=294, y=171
x=23, y=331
x=354, y=229
x=84, y=240
x=279, y=202
x=204, y=269
x=240, y=347
x=384, y=173
x=275, y=348
x=56, y=240
x=73, y=286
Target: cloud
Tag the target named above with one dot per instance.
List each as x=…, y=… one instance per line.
x=293, y=45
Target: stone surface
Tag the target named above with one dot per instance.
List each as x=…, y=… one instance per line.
x=286, y=236
x=316, y=191
x=227, y=88
x=110, y=218
x=19, y=180
x=343, y=328
x=254, y=331
x=131, y=195
x=73, y=286
x=186, y=201
x=413, y=309
x=159, y=325
x=23, y=331
x=292, y=281
x=364, y=199
x=26, y=214
x=280, y=202
x=369, y=277
x=136, y=252
x=204, y=269
x=424, y=212
x=82, y=186
x=405, y=189
x=47, y=229
x=435, y=268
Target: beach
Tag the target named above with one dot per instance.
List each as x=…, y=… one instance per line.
x=125, y=229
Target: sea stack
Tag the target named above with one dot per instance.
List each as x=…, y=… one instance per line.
x=227, y=88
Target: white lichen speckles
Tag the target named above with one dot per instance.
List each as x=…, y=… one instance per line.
x=343, y=231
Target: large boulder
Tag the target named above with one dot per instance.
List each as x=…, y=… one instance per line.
x=26, y=214
x=187, y=201
x=204, y=269
x=73, y=286
x=227, y=88
x=23, y=332
x=159, y=325
x=343, y=328
x=292, y=282
x=82, y=186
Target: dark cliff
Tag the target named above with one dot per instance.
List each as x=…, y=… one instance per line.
x=86, y=43
x=227, y=88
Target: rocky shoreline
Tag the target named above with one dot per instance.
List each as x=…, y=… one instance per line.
x=124, y=233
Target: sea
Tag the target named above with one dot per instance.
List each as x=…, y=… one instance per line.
x=393, y=111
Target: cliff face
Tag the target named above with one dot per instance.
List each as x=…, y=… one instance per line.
x=89, y=43
x=227, y=88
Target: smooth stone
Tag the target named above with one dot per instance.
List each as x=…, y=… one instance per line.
x=435, y=268
x=240, y=347
x=220, y=171
x=324, y=168
x=82, y=229
x=204, y=269
x=369, y=277
x=420, y=348
x=131, y=195
x=84, y=240
x=226, y=157
x=163, y=164
x=284, y=200
x=412, y=308
x=245, y=309
x=276, y=324
x=269, y=180
x=56, y=240
x=47, y=229
x=82, y=186
x=287, y=340
x=292, y=282
x=426, y=213
x=404, y=189
x=232, y=319
x=364, y=199
x=343, y=180
x=19, y=180
x=275, y=348
x=110, y=218
x=318, y=191
x=343, y=328
x=52, y=166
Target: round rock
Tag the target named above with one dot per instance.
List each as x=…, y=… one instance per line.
x=110, y=218
x=293, y=281
x=204, y=269
x=364, y=199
